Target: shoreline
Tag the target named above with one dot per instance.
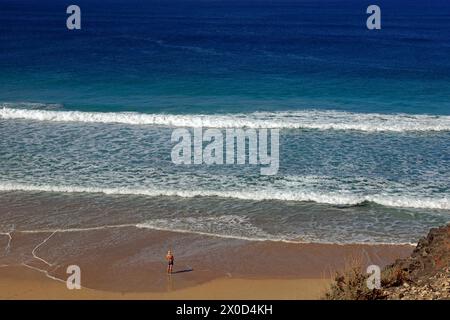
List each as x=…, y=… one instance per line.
x=129, y=264
x=207, y=234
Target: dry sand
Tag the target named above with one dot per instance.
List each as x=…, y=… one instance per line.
x=24, y=283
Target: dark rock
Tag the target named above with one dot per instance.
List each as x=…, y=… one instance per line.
x=427, y=270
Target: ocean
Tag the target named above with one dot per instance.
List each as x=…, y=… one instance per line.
x=86, y=117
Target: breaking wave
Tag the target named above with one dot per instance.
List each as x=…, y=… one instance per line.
x=333, y=198
x=307, y=119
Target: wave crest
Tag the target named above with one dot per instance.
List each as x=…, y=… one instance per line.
x=402, y=201
x=307, y=119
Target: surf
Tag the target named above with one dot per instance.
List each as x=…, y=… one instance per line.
x=304, y=119
x=332, y=198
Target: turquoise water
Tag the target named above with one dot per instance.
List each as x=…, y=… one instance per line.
x=210, y=56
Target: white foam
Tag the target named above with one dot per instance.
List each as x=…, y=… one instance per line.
x=226, y=226
x=238, y=228
x=308, y=119
x=333, y=198
x=176, y=226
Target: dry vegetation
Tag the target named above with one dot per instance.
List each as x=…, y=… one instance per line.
x=423, y=275
x=351, y=284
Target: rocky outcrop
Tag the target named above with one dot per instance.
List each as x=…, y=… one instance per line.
x=426, y=273
x=436, y=287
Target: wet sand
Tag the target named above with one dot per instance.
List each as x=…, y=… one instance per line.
x=128, y=263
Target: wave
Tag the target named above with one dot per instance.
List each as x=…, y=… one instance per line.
x=32, y=105
x=335, y=198
x=307, y=119
x=226, y=226
x=168, y=225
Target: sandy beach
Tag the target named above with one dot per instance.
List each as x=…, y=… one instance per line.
x=33, y=265
x=23, y=283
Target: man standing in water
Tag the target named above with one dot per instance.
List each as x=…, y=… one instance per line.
x=170, y=259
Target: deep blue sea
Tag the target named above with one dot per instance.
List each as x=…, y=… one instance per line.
x=86, y=116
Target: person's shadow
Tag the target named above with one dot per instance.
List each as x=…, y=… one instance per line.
x=183, y=271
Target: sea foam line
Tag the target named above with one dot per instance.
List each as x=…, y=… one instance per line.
x=308, y=119
x=149, y=226
x=33, y=253
x=402, y=201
